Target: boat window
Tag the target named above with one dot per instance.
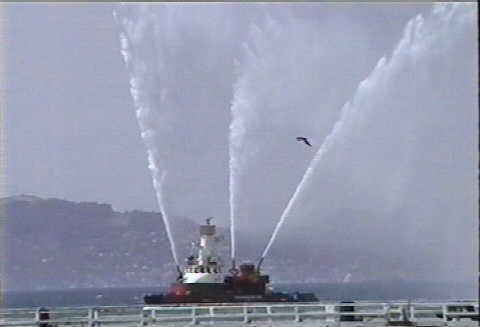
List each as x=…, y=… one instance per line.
x=202, y=270
x=208, y=270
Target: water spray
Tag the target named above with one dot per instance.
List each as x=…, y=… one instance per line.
x=137, y=81
x=299, y=188
x=180, y=273
x=233, y=176
x=166, y=221
x=307, y=176
x=260, y=263
x=416, y=36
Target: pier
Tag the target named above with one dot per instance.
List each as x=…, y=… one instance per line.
x=358, y=314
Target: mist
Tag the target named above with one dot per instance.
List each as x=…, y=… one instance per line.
x=394, y=184
x=222, y=91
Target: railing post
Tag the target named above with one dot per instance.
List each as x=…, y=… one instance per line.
x=95, y=317
x=37, y=317
x=245, y=315
x=146, y=317
x=412, y=312
x=90, y=318
x=330, y=309
x=444, y=313
x=194, y=316
x=211, y=311
x=386, y=312
x=403, y=313
x=269, y=313
x=297, y=315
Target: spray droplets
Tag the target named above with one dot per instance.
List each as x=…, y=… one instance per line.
x=139, y=77
x=417, y=36
x=277, y=79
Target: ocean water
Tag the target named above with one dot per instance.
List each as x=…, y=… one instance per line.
x=358, y=291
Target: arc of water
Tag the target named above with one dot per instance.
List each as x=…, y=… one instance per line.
x=237, y=131
x=415, y=32
x=344, y=116
x=166, y=220
x=232, y=220
x=298, y=190
x=147, y=134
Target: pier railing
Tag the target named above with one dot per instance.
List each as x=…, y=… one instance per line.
x=330, y=314
x=72, y=316
x=464, y=313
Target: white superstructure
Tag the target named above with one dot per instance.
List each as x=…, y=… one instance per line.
x=206, y=267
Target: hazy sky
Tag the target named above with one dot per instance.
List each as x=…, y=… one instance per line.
x=72, y=131
x=403, y=156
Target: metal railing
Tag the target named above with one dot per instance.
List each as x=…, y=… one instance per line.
x=72, y=316
x=360, y=313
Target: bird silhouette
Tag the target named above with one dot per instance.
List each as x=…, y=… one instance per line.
x=304, y=140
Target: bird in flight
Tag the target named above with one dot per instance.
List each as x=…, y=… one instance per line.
x=304, y=140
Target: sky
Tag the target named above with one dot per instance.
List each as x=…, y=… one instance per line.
x=71, y=126
x=225, y=88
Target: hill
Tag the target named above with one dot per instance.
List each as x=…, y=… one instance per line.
x=54, y=243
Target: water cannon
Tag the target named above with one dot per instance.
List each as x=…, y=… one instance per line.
x=233, y=270
x=260, y=263
x=180, y=274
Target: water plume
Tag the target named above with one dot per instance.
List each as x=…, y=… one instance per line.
x=286, y=87
x=139, y=77
x=236, y=163
x=232, y=213
x=161, y=204
x=181, y=62
x=401, y=87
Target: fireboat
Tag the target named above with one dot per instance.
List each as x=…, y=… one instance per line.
x=203, y=281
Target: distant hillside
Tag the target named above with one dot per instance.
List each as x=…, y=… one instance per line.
x=53, y=243
x=57, y=243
